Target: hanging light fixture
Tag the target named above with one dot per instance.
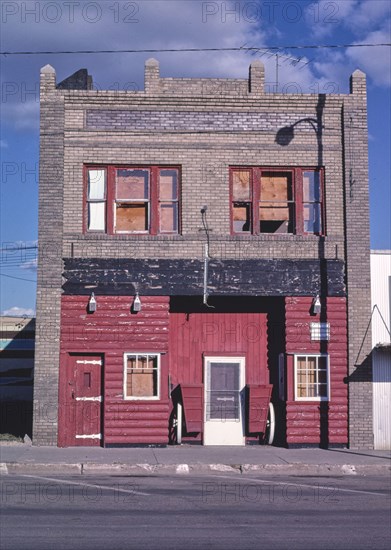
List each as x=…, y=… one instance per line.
x=92, y=303
x=316, y=305
x=136, y=303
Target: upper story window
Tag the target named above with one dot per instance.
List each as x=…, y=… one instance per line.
x=132, y=200
x=277, y=200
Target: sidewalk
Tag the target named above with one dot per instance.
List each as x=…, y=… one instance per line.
x=27, y=459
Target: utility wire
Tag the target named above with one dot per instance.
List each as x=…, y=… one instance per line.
x=18, y=278
x=12, y=248
x=189, y=50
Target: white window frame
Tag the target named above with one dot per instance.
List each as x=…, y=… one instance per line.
x=308, y=355
x=136, y=354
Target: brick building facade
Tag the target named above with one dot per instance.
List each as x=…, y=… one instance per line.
x=281, y=253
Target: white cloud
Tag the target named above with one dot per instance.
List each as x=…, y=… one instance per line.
x=376, y=62
x=356, y=16
x=324, y=17
x=21, y=115
x=30, y=265
x=18, y=312
x=368, y=14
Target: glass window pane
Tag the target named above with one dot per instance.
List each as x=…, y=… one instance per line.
x=301, y=390
x=96, y=216
x=322, y=390
x=241, y=218
x=241, y=185
x=322, y=362
x=132, y=184
x=322, y=376
x=311, y=390
x=311, y=186
x=168, y=184
x=312, y=218
x=96, y=184
x=132, y=217
x=301, y=362
x=169, y=217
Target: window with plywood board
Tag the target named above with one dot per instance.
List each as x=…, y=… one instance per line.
x=131, y=199
x=277, y=200
x=141, y=375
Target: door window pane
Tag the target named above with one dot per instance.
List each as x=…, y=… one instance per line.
x=223, y=398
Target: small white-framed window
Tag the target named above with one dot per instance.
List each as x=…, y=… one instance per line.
x=141, y=376
x=312, y=379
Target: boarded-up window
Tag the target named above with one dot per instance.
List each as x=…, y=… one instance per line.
x=132, y=201
x=276, y=200
x=96, y=200
x=141, y=376
x=276, y=204
x=311, y=377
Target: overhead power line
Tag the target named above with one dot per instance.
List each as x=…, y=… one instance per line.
x=18, y=278
x=192, y=50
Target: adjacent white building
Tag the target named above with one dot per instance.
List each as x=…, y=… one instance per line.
x=381, y=343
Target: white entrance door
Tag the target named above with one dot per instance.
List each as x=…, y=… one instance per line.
x=224, y=379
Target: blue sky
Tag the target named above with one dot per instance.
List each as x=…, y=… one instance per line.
x=86, y=25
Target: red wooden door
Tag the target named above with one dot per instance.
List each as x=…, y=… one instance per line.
x=85, y=396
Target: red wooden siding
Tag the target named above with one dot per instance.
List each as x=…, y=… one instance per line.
x=193, y=406
x=196, y=334
x=113, y=330
x=306, y=421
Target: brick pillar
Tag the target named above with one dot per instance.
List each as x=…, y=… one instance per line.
x=358, y=263
x=256, y=78
x=152, y=76
x=50, y=210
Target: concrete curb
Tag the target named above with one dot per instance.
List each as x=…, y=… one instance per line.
x=92, y=468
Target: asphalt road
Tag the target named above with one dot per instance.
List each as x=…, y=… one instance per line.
x=194, y=512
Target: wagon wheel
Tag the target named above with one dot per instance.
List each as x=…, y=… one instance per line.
x=270, y=426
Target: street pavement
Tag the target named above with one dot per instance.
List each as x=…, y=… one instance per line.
x=185, y=459
x=217, y=511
